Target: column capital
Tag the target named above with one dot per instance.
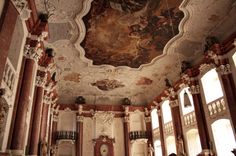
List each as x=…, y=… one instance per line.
x=55, y=118
x=174, y=103
x=33, y=53
x=194, y=89
x=79, y=118
x=224, y=69
x=40, y=81
x=126, y=119
x=147, y=119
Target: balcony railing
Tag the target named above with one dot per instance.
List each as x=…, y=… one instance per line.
x=190, y=119
x=216, y=107
x=138, y=135
x=168, y=128
x=66, y=135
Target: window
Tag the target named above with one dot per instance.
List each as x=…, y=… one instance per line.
x=166, y=112
x=222, y=129
x=193, y=140
x=170, y=144
x=211, y=86
x=155, y=122
x=157, y=148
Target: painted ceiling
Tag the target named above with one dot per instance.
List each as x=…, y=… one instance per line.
x=107, y=50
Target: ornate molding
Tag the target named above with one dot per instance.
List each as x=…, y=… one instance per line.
x=212, y=55
x=80, y=110
x=55, y=118
x=32, y=52
x=194, y=89
x=23, y=8
x=47, y=100
x=39, y=38
x=224, y=69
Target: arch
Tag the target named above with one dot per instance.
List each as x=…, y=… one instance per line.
x=157, y=148
x=170, y=144
x=223, y=137
x=193, y=141
x=154, y=117
x=186, y=110
x=211, y=86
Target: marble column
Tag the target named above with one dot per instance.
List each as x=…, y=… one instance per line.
x=230, y=90
x=201, y=119
x=161, y=129
x=126, y=132
x=37, y=115
x=54, y=129
x=79, y=141
x=19, y=130
x=44, y=120
x=177, y=126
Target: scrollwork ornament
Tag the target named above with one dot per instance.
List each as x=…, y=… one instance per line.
x=80, y=118
x=224, y=69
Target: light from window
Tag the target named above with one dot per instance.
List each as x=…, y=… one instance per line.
x=155, y=122
x=157, y=148
x=211, y=86
x=170, y=144
x=194, y=144
x=166, y=112
x=223, y=137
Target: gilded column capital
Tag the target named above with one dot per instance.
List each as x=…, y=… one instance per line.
x=224, y=69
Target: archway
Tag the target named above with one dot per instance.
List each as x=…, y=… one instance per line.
x=193, y=141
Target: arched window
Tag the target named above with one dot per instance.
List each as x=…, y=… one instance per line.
x=155, y=123
x=170, y=142
x=223, y=137
x=193, y=140
x=185, y=109
x=211, y=86
x=166, y=112
x=157, y=148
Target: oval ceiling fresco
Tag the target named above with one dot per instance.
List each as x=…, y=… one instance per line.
x=129, y=32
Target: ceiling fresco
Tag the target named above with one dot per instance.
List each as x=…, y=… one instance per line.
x=122, y=54
x=131, y=32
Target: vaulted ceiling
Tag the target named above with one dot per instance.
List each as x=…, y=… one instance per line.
x=107, y=50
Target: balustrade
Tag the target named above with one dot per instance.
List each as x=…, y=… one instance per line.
x=190, y=119
x=168, y=128
x=137, y=135
x=69, y=135
x=216, y=107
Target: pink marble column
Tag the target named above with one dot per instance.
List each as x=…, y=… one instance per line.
x=79, y=141
x=19, y=129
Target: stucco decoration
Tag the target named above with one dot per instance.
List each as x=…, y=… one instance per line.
x=107, y=85
x=104, y=123
x=74, y=77
x=129, y=33
x=144, y=81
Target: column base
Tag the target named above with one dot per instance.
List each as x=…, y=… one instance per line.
x=206, y=152
x=15, y=152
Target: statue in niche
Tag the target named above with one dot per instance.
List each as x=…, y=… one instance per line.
x=150, y=150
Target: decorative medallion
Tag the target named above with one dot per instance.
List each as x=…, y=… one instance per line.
x=107, y=85
x=130, y=33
